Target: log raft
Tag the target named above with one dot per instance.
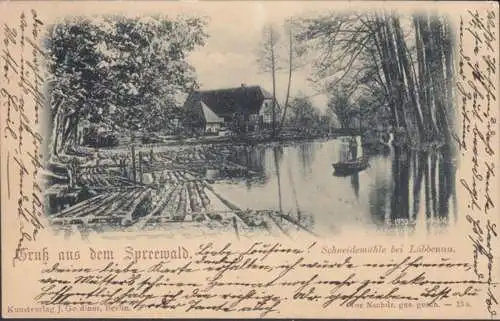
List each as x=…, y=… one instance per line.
x=175, y=192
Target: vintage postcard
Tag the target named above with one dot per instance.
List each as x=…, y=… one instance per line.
x=281, y=159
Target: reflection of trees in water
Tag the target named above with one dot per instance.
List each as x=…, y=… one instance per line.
x=430, y=175
x=254, y=159
x=306, y=156
x=353, y=150
x=278, y=157
x=419, y=159
x=401, y=179
x=446, y=185
x=378, y=201
x=355, y=183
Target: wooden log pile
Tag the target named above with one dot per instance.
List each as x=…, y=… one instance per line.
x=177, y=193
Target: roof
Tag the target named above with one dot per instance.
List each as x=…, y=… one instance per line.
x=244, y=99
x=266, y=94
x=210, y=116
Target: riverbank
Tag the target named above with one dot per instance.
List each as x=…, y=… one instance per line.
x=86, y=156
x=134, y=189
x=249, y=139
x=214, y=185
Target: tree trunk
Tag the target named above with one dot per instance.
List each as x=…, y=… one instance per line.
x=448, y=57
x=398, y=88
x=439, y=77
x=428, y=64
x=429, y=126
x=273, y=72
x=381, y=45
x=414, y=111
x=290, y=57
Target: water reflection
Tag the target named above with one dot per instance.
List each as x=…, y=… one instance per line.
x=353, y=150
x=278, y=157
x=415, y=176
x=251, y=161
x=306, y=155
x=355, y=184
x=254, y=157
x=399, y=189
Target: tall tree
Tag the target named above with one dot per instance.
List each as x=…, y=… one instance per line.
x=268, y=60
x=373, y=49
x=295, y=51
x=275, y=55
x=125, y=72
x=290, y=68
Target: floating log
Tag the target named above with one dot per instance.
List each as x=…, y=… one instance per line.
x=165, y=199
x=289, y=219
x=128, y=215
x=130, y=201
x=173, y=202
x=180, y=210
x=274, y=222
x=104, y=208
x=118, y=203
x=226, y=202
x=160, y=207
x=80, y=205
x=94, y=207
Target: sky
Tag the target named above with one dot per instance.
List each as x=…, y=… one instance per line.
x=229, y=57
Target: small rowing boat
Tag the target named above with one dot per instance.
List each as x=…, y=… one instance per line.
x=351, y=166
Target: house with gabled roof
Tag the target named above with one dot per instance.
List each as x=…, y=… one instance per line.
x=212, y=110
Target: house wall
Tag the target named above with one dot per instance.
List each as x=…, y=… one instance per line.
x=212, y=127
x=267, y=118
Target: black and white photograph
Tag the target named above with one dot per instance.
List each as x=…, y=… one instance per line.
x=196, y=123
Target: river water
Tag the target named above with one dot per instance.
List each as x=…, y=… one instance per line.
x=399, y=191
